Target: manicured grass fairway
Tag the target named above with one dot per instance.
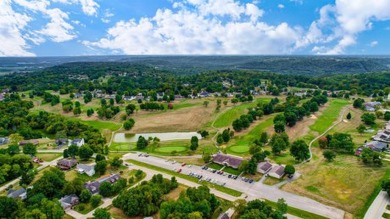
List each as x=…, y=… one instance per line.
x=227, y=118
x=170, y=149
x=330, y=114
x=240, y=144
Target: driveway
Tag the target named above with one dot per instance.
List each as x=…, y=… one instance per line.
x=253, y=190
x=378, y=207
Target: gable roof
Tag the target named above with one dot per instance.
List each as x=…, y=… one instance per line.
x=227, y=159
x=94, y=185
x=85, y=168
x=16, y=193
x=278, y=170
x=264, y=166
x=67, y=162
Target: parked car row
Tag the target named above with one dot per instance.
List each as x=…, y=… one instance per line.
x=247, y=180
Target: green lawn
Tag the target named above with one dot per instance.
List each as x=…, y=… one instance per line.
x=48, y=156
x=171, y=149
x=113, y=126
x=84, y=208
x=297, y=212
x=330, y=114
x=240, y=144
x=215, y=166
x=227, y=118
x=231, y=171
x=189, y=178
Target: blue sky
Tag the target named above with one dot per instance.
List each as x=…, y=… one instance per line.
x=136, y=27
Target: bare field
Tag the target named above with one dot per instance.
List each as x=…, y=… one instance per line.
x=186, y=119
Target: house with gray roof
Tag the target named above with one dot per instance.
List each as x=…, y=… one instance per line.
x=66, y=164
x=78, y=141
x=227, y=160
x=277, y=171
x=20, y=193
x=87, y=169
x=3, y=140
x=93, y=186
x=264, y=167
x=376, y=146
x=67, y=202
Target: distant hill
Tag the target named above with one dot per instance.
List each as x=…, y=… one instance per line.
x=304, y=65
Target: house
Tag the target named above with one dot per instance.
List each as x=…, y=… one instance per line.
x=370, y=106
x=33, y=141
x=78, y=95
x=179, y=97
x=128, y=98
x=61, y=142
x=89, y=170
x=383, y=136
x=139, y=96
x=78, y=141
x=264, y=167
x=376, y=146
x=20, y=193
x=204, y=94
x=67, y=202
x=277, y=171
x=93, y=186
x=227, y=160
x=160, y=95
x=1, y=97
x=66, y=164
x=3, y=140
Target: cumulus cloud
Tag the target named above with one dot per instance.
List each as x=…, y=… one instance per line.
x=107, y=16
x=281, y=6
x=201, y=27
x=374, y=43
x=11, y=36
x=344, y=21
x=89, y=7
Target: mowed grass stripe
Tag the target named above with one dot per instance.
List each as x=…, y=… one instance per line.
x=227, y=118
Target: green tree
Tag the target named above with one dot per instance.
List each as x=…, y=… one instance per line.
x=142, y=143
x=90, y=112
x=101, y=167
x=73, y=151
x=329, y=155
x=8, y=207
x=264, y=138
x=128, y=124
x=279, y=127
x=101, y=213
x=368, y=118
x=85, y=152
x=278, y=146
x=52, y=209
x=281, y=205
x=206, y=157
x=219, y=139
x=205, y=103
x=105, y=189
x=116, y=162
x=15, y=139
x=13, y=149
x=30, y=149
x=95, y=200
x=349, y=116
x=85, y=195
x=289, y=169
x=385, y=186
x=27, y=177
x=386, y=116
x=99, y=157
x=194, y=143
x=299, y=150
x=35, y=214
x=361, y=128
x=130, y=108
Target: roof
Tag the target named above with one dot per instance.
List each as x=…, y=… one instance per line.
x=229, y=160
x=278, y=170
x=16, y=193
x=68, y=200
x=224, y=216
x=77, y=140
x=265, y=166
x=85, y=168
x=376, y=145
x=67, y=162
x=94, y=185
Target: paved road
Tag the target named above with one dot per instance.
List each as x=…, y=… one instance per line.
x=43, y=165
x=378, y=207
x=254, y=191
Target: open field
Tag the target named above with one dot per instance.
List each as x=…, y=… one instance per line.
x=345, y=183
x=48, y=156
x=191, y=118
x=230, y=115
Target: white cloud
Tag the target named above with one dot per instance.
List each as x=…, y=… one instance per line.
x=213, y=27
x=11, y=26
x=374, y=43
x=345, y=20
x=106, y=16
x=281, y=6
x=58, y=30
x=89, y=7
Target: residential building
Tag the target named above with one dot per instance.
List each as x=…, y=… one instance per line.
x=78, y=142
x=20, y=193
x=87, y=169
x=277, y=171
x=204, y=94
x=179, y=97
x=66, y=164
x=227, y=160
x=376, y=146
x=61, y=142
x=264, y=167
x=93, y=186
x=370, y=106
x=383, y=136
x=67, y=202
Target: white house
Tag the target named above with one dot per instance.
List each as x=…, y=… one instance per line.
x=78, y=141
x=277, y=171
x=89, y=170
